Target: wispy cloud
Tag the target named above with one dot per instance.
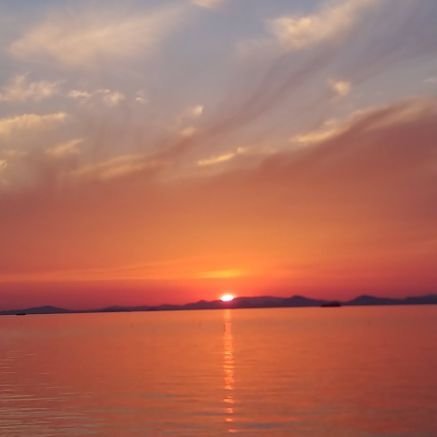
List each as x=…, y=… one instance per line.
x=220, y=159
x=108, y=97
x=21, y=89
x=79, y=94
x=197, y=111
x=85, y=38
x=296, y=32
x=210, y=4
x=28, y=123
x=341, y=87
x=376, y=181
x=370, y=119
x=328, y=130
x=119, y=148
x=113, y=168
x=431, y=80
x=65, y=149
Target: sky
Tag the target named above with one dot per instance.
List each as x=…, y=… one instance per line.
x=172, y=150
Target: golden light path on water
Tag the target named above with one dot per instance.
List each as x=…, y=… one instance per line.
x=228, y=370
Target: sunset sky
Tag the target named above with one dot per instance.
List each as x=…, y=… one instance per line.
x=159, y=151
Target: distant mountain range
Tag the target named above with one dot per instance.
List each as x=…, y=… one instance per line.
x=241, y=302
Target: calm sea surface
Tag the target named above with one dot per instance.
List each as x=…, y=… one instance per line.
x=317, y=372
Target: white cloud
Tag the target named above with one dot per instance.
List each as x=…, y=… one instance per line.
x=65, y=149
x=79, y=94
x=25, y=123
x=341, y=87
x=3, y=164
x=21, y=89
x=79, y=40
x=298, y=32
x=109, y=97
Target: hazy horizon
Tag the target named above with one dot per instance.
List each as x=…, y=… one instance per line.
x=227, y=304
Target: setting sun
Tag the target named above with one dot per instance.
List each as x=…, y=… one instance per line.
x=228, y=297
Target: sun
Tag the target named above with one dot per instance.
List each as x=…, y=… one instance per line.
x=227, y=297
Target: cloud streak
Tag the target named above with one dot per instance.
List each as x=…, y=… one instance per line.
x=86, y=38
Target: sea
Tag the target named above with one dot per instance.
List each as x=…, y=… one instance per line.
x=349, y=371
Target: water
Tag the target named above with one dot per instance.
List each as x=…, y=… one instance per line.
x=318, y=372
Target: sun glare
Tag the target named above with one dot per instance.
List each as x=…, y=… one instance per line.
x=228, y=297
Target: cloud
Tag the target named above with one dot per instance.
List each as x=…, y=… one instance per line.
x=80, y=40
x=65, y=149
x=328, y=130
x=366, y=52
x=376, y=119
x=184, y=122
x=188, y=131
x=113, y=168
x=79, y=94
x=220, y=159
x=356, y=206
x=431, y=80
x=110, y=98
x=414, y=111
x=141, y=97
x=216, y=159
x=330, y=22
x=191, y=112
x=21, y=89
x=197, y=111
x=210, y=4
x=341, y=87
x=28, y=123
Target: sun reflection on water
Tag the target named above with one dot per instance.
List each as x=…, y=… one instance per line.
x=228, y=371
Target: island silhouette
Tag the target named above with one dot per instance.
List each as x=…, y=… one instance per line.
x=242, y=302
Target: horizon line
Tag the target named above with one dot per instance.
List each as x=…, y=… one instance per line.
x=312, y=302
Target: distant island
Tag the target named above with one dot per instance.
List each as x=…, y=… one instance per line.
x=239, y=302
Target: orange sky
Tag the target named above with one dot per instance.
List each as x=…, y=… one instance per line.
x=299, y=178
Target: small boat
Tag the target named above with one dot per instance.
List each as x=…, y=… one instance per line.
x=21, y=314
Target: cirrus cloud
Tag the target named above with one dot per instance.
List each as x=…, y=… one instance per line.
x=78, y=40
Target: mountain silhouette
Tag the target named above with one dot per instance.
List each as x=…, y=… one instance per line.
x=295, y=301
